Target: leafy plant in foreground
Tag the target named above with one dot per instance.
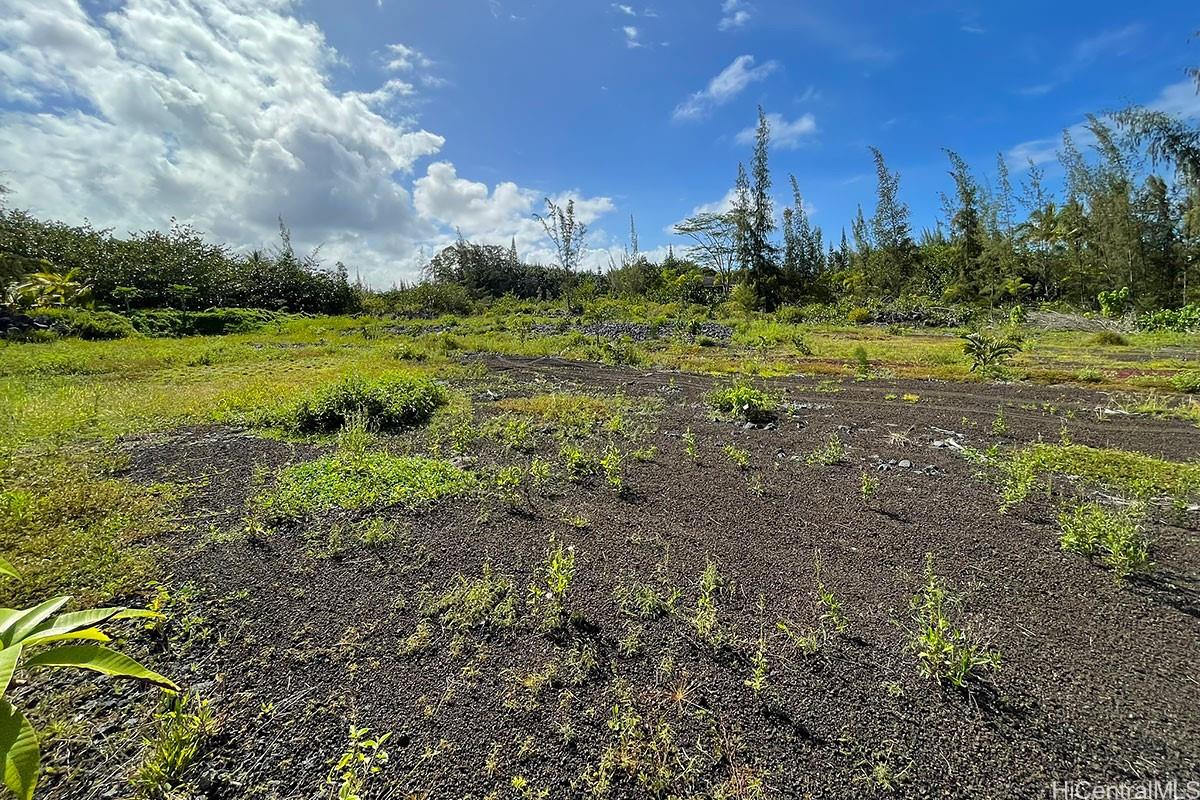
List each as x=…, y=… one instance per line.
x=944, y=651
x=24, y=630
x=364, y=757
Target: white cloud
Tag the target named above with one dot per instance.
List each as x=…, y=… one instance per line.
x=624, y=9
x=734, y=14
x=724, y=87
x=631, y=36
x=784, y=134
x=722, y=206
x=222, y=114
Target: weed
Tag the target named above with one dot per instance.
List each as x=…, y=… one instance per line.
x=368, y=479
x=630, y=643
x=1187, y=381
x=758, y=676
x=390, y=402
x=181, y=727
x=512, y=432
x=579, y=462
x=552, y=582
x=418, y=640
x=738, y=456
x=645, y=601
x=689, y=445
x=611, y=464
x=832, y=610
x=910, y=398
x=1117, y=536
x=1109, y=339
x=868, y=485
x=1136, y=474
x=943, y=650
x=705, y=620
x=741, y=399
x=999, y=424
x=469, y=603
x=831, y=453
x=362, y=759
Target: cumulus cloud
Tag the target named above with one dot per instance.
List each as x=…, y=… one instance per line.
x=631, y=36
x=734, y=14
x=221, y=114
x=784, y=134
x=723, y=88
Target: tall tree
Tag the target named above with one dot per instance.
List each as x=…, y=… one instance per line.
x=894, y=257
x=763, y=269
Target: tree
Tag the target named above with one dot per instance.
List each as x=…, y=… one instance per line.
x=895, y=254
x=762, y=269
x=715, y=236
x=966, y=227
x=568, y=235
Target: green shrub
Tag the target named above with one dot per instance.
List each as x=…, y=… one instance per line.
x=859, y=316
x=1179, y=320
x=740, y=399
x=1187, y=381
x=944, y=651
x=213, y=322
x=387, y=403
x=988, y=353
x=1109, y=339
x=86, y=324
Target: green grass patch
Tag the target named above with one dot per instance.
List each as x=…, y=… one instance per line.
x=1116, y=537
x=373, y=478
x=1133, y=474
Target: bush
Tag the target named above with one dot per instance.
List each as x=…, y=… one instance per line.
x=86, y=324
x=859, y=316
x=1187, y=381
x=1179, y=320
x=213, y=322
x=1109, y=339
x=386, y=403
x=740, y=399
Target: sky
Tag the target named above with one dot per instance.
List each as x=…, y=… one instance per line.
x=378, y=128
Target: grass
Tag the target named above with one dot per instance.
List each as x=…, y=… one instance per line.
x=469, y=603
x=945, y=651
x=374, y=478
x=1134, y=474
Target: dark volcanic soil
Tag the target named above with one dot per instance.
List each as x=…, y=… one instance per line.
x=1098, y=679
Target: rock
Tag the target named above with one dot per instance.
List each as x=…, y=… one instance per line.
x=905, y=464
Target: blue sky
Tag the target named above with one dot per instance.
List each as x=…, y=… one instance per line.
x=377, y=128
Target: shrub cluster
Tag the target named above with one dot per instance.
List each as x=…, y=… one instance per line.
x=387, y=403
x=741, y=399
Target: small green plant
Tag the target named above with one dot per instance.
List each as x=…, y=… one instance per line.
x=1116, y=536
x=858, y=316
x=868, y=485
x=988, y=353
x=579, y=462
x=611, y=464
x=362, y=759
x=24, y=635
x=832, y=452
x=705, y=620
x=181, y=727
x=741, y=399
x=552, y=582
x=832, y=610
x=943, y=650
x=758, y=675
x=738, y=456
x=862, y=364
x=999, y=424
x=474, y=602
x=1114, y=302
x=689, y=445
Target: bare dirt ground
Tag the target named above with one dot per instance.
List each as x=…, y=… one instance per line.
x=1098, y=679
